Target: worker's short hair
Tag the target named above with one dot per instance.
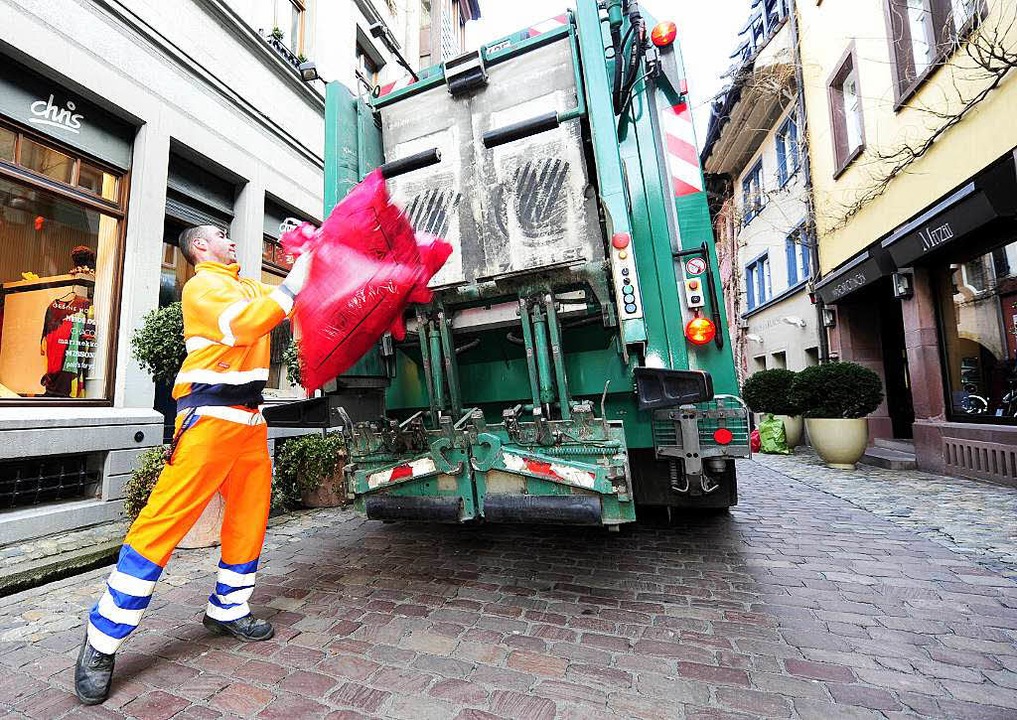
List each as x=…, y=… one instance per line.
x=187, y=238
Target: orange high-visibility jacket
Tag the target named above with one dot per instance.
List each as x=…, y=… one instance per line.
x=227, y=321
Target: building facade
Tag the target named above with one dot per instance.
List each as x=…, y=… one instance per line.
x=755, y=164
x=121, y=124
x=911, y=142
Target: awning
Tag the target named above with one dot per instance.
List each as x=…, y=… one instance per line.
x=988, y=196
x=991, y=195
x=863, y=269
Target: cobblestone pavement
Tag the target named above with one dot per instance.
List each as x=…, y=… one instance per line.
x=797, y=604
x=975, y=518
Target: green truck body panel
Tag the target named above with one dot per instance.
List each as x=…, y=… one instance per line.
x=513, y=397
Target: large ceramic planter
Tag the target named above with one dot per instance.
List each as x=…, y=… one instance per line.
x=205, y=532
x=330, y=493
x=792, y=429
x=840, y=442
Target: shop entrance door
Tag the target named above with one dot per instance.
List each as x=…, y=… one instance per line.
x=895, y=367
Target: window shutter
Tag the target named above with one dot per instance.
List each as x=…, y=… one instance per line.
x=782, y=151
x=839, y=123
x=805, y=243
x=942, y=23
x=901, y=45
x=792, y=260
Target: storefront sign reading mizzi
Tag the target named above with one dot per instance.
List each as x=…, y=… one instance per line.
x=934, y=237
x=45, y=112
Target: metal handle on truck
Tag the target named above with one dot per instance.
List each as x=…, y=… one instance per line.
x=409, y=164
x=520, y=130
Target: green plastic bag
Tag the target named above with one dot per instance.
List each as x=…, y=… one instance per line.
x=771, y=436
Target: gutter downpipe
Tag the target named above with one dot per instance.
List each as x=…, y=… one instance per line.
x=810, y=204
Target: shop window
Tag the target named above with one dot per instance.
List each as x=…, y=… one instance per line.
x=97, y=181
x=759, y=288
x=752, y=193
x=275, y=264
x=923, y=31
x=58, y=256
x=978, y=304
x=797, y=252
x=787, y=150
x=46, y=161
x=846, y=113
x=8, y=141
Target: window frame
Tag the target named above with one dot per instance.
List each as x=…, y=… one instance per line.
x=796, y=252
x=843, y=155
x=784, y=173
x=753, y=288
x=751, y=210
x=16, y=173
x=947, y=36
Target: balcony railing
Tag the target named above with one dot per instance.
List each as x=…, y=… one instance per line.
x=283, y=50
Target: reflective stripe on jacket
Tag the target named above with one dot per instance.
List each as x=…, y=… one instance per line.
x=227, y=321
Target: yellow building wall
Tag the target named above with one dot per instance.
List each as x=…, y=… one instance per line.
x=986, y=132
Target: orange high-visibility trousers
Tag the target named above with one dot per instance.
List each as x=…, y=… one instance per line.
x=221, y=450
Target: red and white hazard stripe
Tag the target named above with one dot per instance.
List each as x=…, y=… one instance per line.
x=550, y=470
x=680, y=149
x=422, y=466
x=404, y=81
x=548, y=25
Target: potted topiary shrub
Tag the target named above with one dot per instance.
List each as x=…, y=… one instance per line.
x=311, y=467
x=835, y=398
x=138, y=488
x=769, y=391
x=158, y=346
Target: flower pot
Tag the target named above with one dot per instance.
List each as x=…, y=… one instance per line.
x=840, y=442
x=330, y=493
x=205, y=532
x=792, y=429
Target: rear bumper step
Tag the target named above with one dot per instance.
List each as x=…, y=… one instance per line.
x=564, y=509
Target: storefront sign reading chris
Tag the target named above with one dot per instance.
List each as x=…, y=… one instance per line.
x=934, y=236
x=46, y=112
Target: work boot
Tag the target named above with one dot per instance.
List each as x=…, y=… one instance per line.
x=92, y=674
x=247, y=628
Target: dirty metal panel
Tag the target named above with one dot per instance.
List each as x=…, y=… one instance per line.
x=433, y=196
x=538, y=209
x=519, y=208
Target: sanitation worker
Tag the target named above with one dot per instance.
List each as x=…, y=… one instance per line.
x=219, y=445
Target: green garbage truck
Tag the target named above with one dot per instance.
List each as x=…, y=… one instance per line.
x=574, y=366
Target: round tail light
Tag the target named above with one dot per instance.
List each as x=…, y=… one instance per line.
x=700, y=331
x=664, y=33
x=722, y=436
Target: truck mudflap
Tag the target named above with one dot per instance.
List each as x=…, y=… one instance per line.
x=496, y=473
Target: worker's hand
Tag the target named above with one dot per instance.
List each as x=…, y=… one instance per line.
x=294, y=282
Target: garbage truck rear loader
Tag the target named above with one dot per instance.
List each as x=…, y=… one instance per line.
x=574, y=363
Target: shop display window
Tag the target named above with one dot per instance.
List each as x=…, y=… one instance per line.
x=58, y=276
x=978, y=303
x=278, y=385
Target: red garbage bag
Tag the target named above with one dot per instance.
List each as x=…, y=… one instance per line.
x=754, y=441
x=368, y=266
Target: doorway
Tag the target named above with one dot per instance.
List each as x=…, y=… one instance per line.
x=897, y=376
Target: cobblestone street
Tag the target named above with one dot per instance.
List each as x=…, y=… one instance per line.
x=822, y=595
